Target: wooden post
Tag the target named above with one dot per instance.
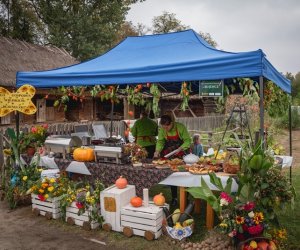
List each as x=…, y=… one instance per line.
x=209, y=217
x=182, y=201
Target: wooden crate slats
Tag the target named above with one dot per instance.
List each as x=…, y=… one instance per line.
x=143, y=221
x=142, y=233
x=140, y=226
x=141, y=214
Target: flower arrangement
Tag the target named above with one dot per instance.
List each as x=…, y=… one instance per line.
x=136, y=152
x=86, y=198
x=50, y=188
x=242, y=222
x=35, y=138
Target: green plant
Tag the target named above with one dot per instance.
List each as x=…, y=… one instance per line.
x=86, y=198
x=36, y=137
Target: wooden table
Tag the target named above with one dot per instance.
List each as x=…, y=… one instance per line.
x=186, y=179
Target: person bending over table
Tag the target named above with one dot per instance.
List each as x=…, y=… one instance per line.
x=171, y=136
x=145, y=131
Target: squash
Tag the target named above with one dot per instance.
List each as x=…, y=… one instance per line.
x=121, y=183
x=159, y=199
x=136, y=201
x=83, y=154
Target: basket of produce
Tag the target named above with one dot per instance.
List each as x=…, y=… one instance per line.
x=257, y=243
x=231, y=163
x=178, y=225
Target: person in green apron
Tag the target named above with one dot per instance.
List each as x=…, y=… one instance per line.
x=145, y=131
x=171, y=136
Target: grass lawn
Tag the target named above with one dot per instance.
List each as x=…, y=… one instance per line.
x=290, y=218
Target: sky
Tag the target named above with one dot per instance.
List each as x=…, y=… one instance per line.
x=237, y=25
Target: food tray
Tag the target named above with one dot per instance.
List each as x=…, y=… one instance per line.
x=148, y=165
x=162, y=167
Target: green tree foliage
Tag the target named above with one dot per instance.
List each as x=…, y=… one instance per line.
x=296, y=89
x=167, y=22
x=84, y=28
x=18, y=21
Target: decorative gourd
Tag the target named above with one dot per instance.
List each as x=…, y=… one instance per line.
x=83, y=154
x=136, y=201
x=159, y=199
x=121, y=183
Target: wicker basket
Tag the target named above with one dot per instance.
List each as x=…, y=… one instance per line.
x=229, y=168
x=180, y=233
x=240, y=246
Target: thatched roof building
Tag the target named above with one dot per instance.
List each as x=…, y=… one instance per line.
x=17, y=55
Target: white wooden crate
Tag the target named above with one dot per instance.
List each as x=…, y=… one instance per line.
x=50, y=205
x=142, y=219
x=112, y=199
x=72, y=212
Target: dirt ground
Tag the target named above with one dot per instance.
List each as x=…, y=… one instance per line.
x=20, y=229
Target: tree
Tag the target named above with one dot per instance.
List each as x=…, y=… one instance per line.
x=167, y=22
x=296, y=88
x=18, y=21
x=207, y=37
x=84, y=28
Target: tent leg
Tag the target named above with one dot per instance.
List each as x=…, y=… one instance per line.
x=290, y=130
x=111, y=117
x=261, y=109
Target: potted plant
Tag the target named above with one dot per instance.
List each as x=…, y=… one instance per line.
x=34, y=139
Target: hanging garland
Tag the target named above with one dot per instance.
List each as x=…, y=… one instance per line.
x=77, y=93
x=105, y=92
x=154, y=90
x=185, y=95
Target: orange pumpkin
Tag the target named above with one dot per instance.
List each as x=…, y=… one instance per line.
x=121, y=183
x=136, y=201
x=83, y=154
x=159, y=199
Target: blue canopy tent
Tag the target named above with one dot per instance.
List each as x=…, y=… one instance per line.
x=165, y=58
x=173, y=57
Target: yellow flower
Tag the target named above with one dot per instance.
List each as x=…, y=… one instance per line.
x=239, y=220
x=223, y=225
x=41, y=191
x=7, y=152
x=258, y=218
x=25, y=178
x=52, y=180
x=40, y=169
x=46, y=196
x=50, y=189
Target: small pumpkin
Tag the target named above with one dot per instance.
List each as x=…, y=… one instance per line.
x=121, y=182
x=136, y=201
x=159, y=199
x=83, y=154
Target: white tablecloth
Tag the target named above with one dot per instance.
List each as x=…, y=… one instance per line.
x=287, y=161
x=48, y=162
x=185, y=179
x=78, y=167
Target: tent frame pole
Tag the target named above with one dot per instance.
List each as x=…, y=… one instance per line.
x=261, y=110
x=290, y=135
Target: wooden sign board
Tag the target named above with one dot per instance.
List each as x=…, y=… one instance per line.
x=17, y=101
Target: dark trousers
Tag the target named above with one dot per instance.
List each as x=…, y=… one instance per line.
x=174, y=192
x=150, y=150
